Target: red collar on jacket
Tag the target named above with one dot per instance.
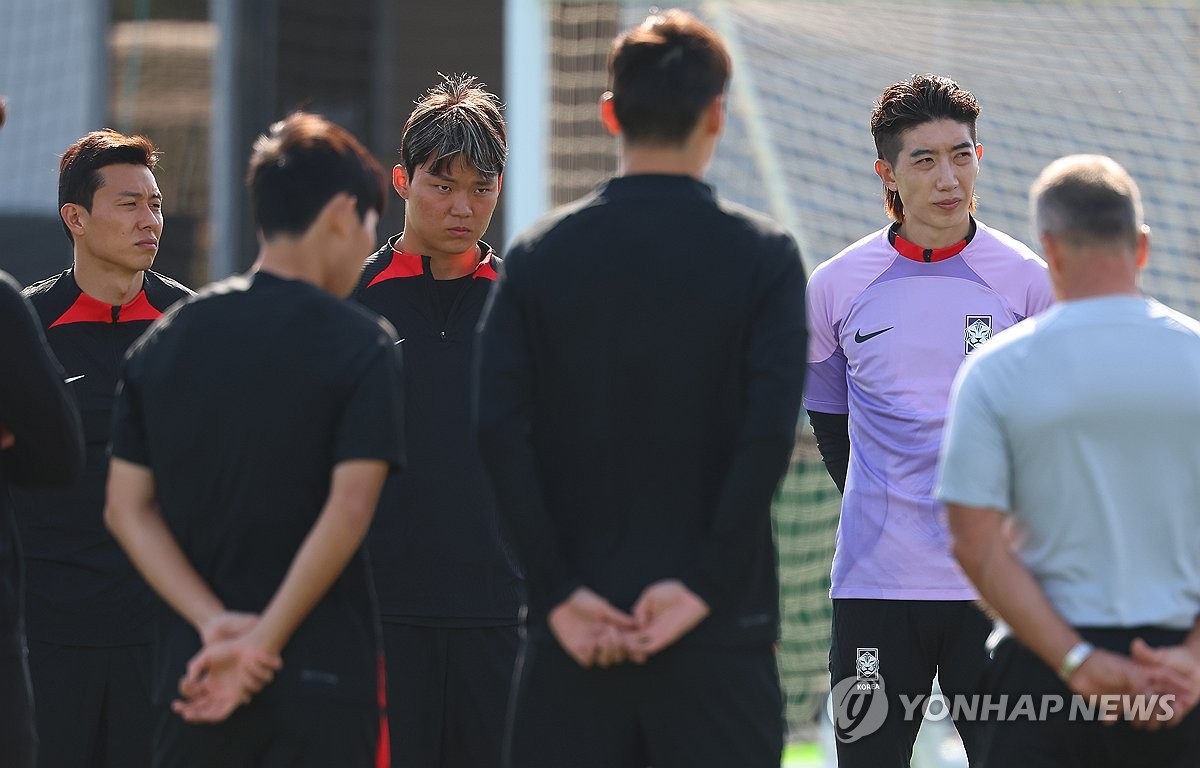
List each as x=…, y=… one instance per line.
x=87, y=309
x=412, y=265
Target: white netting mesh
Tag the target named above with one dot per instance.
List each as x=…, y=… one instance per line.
x=1052, y=79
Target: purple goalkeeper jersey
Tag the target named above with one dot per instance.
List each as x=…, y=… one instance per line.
x=887, y=335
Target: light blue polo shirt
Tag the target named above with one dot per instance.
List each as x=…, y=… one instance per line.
x=1084, y=424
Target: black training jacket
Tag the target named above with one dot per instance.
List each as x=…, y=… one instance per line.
x=435, y=543
x=81, y=588
x=640, y=373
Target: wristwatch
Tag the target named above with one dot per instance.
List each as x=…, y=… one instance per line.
x=1076, y=656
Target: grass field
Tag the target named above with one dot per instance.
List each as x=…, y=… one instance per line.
x=937, y=746
x=803, y=756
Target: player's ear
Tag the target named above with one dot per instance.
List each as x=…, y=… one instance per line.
x=340, y=214
x=714, y=115
x=608, y=114
x=400, y=181
x=883, y=169
x=74, y=216
x=1053, y=255
x=978, y=151
x=1143, y=247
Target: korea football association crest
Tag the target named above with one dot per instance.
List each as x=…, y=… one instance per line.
x=866, y=663
x=979, y=330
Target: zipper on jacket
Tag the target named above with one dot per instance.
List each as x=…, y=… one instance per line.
x=432, y=292
x=458, y=300
x=454, y=307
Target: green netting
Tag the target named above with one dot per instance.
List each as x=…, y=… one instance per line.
x=806, y=515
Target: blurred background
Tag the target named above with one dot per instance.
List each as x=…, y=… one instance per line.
x=203, y=77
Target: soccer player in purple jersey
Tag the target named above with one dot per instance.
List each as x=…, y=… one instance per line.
x=892, y=317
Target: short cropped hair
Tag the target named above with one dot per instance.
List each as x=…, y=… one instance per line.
x=298, y=166
x=1086, y=200
x=662, y=74
x=457, y=118
x=79, y=168
x=915, y=101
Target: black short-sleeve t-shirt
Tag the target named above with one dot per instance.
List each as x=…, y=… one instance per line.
x=242, y=400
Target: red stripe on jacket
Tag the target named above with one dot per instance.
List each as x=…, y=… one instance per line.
x=412, y=265
x=401, y=265
x=87, y=309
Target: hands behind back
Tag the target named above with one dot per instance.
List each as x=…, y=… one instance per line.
x=230, y=668
x=593, y=632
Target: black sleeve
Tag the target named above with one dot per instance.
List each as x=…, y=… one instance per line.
x=372, y=426
x=34, y=403
x=503, y=411
x=775, y=367
x=129, y=441
x=832, y=431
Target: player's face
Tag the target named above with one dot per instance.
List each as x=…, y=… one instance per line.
x=935, y=175
x=124, y=226
x=445, y=213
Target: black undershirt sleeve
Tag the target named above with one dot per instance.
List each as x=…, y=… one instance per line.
x=832, y=431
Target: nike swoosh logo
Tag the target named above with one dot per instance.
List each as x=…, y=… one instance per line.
x=399, y=342
x=860, y=337
x=74, y=378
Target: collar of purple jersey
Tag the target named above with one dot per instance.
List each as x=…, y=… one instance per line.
x=915, y=252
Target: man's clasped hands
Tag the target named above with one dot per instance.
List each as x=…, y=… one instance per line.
x=595, y=633
x=234, y=663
